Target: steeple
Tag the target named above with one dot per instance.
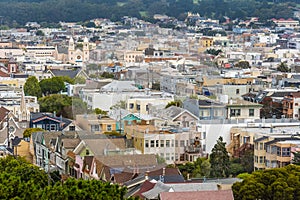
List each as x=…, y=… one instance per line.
x=23, y=109
x=71, y=44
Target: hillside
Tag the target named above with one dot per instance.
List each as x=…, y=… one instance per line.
x=22, y=11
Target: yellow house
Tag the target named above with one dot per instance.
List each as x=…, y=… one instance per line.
x=19, y=83
x=96, y=123
x=206, y=42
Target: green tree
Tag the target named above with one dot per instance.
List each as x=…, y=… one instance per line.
x=32, y=87
x=177, y=103
x=277, y=183
x=282, y=67
x=98, y=111
x=52, y=85
x=219, y=160
x=39, y=33
x=55, y=103
x=21, y=180
x=27, y=133
x=79, y=80
x=296, y=159
x=242, y=64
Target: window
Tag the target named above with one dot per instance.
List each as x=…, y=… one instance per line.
x=95, y=128
x=176, y=143
x=204, y=147
x=138, y=107
x=108, y=127
x=261, y=159
x=235, y=112
x=53, y=127
x=278, y=151
x=181, y=143
x=152, y=143
x=162, y=143
x=71, y=128
x=251, y=112
x=157, y=143
x=261, y=146
x=146, y=143
x=204, y=135
x=256, y=159
x=131, y=106
x=237, y=91
x=286, y=152
x=167, y=156
x=167, y=143
x=147, y=107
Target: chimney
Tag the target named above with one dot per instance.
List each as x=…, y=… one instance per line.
x=147, y=175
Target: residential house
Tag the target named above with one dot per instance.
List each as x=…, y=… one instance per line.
x=205, y=195
x=50, y=122
x=141, y=104
x=241, y=109
x=291, y=105
x=96, y=123
x=205, y=109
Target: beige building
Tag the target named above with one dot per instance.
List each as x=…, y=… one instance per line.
x=96, y=123
x=133, y=56
x=241, y=109
x=141, y=104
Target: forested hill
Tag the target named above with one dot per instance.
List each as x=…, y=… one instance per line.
x=22, y=11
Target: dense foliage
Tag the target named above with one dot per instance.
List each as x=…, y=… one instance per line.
x=22, y=11
x=63, y=105
x=219, y=160
x=27, y=133
x=198, y=169
x=279, y=183
x=32, y=87
x=21, y=180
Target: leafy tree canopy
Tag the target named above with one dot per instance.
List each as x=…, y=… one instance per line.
x=219, y=160
x=21, y=180
x=279, y=183
x=177, y=103
x=52, y=85
x=32, y=87
x=27, y=133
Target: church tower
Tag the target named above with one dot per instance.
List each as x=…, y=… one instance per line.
x=86, y=49
x=23, y=114
x=71, y=50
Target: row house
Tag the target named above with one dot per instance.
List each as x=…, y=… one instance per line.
x=97, y=124
x=142, y=104
x=274, y=152
x=291, y=105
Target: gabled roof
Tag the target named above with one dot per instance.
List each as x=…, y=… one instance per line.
x=139, y=161
x=36, y=117
x=146, y=186
x=70, y=73
x=98, y=146
x=3, y=113
x=156, y=190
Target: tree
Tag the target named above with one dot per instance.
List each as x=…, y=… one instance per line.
x=39, y=33
x=219, y=160
x=32, y=87
x=79, y=80
x=55, y=103
x=177, y=103
x=52, y=85
x=296, y=159
x=27, y=133
x=98, y=111
x=277, y=183
x=21, y=180
x=282, y=67
x=242, y=64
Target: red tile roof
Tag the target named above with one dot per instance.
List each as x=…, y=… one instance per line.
x=146, y=186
